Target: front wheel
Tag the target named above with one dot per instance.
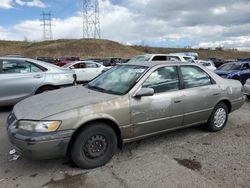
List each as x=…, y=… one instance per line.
x=218, y=118
x=94, y=146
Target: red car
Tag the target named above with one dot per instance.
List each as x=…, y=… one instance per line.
x=64, y=60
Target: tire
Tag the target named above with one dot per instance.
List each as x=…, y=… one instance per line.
x=94, y=146
x=248, y=96
x=220, y=113
x=44, y=89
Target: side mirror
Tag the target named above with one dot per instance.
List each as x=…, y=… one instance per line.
x=144, y=92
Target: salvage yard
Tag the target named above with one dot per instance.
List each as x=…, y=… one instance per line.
x=191, y=157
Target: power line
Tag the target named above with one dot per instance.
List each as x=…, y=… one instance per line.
x=47, y=23
x=91, y=19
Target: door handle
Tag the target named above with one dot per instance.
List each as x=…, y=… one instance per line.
x=216, y=94
x=37, y=76
x=177, y=101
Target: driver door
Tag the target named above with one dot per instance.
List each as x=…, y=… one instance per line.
x=163, y=110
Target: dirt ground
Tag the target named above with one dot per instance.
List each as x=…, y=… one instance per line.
x=190, y=157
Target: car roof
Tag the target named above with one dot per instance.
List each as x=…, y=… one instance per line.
x=156, y=63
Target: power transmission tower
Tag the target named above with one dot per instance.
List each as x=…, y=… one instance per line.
x=91, y=19
x=47, y=23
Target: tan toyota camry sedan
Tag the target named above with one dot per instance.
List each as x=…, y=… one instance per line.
x=126, y=103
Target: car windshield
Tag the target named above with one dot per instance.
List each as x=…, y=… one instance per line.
x=140, y=58
x=230, y=66
x=118, y=80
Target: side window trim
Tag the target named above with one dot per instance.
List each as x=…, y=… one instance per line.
x=176, y=67
x=182, y=80
x=43, y=69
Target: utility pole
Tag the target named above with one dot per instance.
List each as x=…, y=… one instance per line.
x=47, y=23
x=91, y=19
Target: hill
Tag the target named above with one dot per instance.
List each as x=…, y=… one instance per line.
x=87, y=48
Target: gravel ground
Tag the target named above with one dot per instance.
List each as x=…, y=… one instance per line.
x=190, y=157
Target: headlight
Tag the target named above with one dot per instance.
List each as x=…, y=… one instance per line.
x=39, y=126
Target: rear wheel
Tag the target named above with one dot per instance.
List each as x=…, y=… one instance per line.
x=45, y=89
x=94, y=146
x=218, y=118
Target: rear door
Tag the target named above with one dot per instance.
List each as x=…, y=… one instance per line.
x=201, y=94
x=163, y=110
x=18, y=79
x=93, y=70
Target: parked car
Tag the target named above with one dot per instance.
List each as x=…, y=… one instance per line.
x=247, y=88
x=208, y=64
x=235, y=70
x=22, y=77
x=217, y=61
x=64, y=60
x=86, y=70
x=161, y=57
x=126, y=103
x=47, y=59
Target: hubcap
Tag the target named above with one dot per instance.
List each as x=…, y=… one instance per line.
x=95, y=146
x=220, y=117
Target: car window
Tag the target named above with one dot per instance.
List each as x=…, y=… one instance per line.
x=194, y=77
x=91, y=65
x=187, y=58
x=159, y=58
x=163, y=79
x=245, y=66
x=173, y=58
x=205, y=64
x=16, y=66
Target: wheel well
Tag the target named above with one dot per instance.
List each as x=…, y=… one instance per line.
x=41, y=87
x=110, y=123
x=228, y=104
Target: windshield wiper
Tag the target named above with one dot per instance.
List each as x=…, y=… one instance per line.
x=103, y=90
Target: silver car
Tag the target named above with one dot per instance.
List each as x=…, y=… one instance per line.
x=124, y=104
x=21, y=78
x=247, y=88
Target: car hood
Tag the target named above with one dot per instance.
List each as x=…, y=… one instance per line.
x=47, y=104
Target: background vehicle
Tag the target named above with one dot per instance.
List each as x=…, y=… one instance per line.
x=86, y=70
x=247, y=88
x=236, y=70
x=22, y=77
x=48, y=59
x=126, y=103
x=208, y=64
x=161, y=57
x=217, y=61
x=64, y=60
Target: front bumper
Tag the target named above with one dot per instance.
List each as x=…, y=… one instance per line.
x=39, y=145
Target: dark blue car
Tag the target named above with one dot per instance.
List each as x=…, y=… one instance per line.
x=235, y=70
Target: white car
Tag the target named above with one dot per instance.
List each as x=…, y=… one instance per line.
x=208, y=64
x=86, y=70
x=162, y=57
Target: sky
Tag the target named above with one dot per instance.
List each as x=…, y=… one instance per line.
x=160, y=23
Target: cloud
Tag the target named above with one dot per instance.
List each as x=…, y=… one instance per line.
x=6, y=4
x=202, y=23
x=34, y=3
